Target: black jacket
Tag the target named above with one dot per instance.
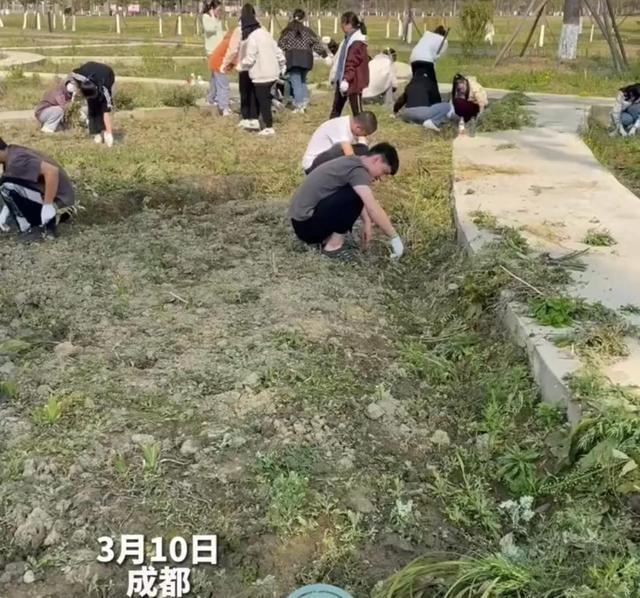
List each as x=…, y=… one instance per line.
x=420, y=91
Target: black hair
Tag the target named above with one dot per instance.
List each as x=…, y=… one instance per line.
x=389, y=155
x=354, y=20
x=210, y=5
x=390, y=52
x=368, y=121
x=333, y=46
x=440, y=30
x=456, y=79
x=296, y=23
x=631, y=92
x=3, y=144
x=247, y=11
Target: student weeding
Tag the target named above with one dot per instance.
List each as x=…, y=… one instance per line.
x=31, y=187
x=327, y=204
x=51, y=109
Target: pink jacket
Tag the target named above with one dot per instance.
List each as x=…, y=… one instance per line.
x=58, y=96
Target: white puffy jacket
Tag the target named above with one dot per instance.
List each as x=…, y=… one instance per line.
x=261, y=56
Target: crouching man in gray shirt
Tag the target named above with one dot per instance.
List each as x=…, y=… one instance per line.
x=335, y=194
x=31, y=187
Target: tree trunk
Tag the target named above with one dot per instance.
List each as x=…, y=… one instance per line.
x=568, y=47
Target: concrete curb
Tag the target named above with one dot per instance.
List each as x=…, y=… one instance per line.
x=548, y=364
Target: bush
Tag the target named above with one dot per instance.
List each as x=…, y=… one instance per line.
x=509, y=112
x=180, y=96
x=473, y=20
x=123, y=100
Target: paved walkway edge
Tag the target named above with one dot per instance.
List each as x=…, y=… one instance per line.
x=549, y=366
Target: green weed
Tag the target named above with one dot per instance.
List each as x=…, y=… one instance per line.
x=151, y=457
x=288, y=502
x=599, y=238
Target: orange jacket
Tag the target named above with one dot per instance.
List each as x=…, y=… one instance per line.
x=217, y=56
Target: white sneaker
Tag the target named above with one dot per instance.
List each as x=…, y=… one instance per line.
x=428, y=124
x=253, y=124
x=227, y=112
x=269, y=132
x=108, y=139
x=244, y=123
x=97, y=138
x=298, y=110
x=46, y=129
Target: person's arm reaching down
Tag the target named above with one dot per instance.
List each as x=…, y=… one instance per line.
x=51, y=177
x=380, y=218
x=347, y=148
x=366, y=228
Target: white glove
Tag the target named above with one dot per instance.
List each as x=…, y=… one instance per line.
x=344, y=86
x=4, y=216
x=622, y=131
x=397, y=247
x=108, y=139
x=633, y=130
x=47, y=213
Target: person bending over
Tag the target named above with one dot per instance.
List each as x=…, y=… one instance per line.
x=432, y=45
x=50, y=111
x=420, y=103
x=96, y=83
x=383, y=80
x=626, y=111
x=468, y=97
x=342, y=136
x=330, y=200
x=31, y=187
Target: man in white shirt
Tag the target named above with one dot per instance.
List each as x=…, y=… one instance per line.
x=342, y=136
x=432, y=45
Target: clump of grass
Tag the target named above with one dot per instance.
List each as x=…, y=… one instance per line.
x=288, y=501
x=180, y=96
x=484, y=219
x=509, y=112
x=150, y=457
x=599, y=238
x=123, y=100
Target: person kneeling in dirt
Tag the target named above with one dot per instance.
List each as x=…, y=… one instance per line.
x=31, y=187
x=330, y=200
x=421, y=102
x=51, y=109
x=342, y=136
x=95, y=81
x=626, y=111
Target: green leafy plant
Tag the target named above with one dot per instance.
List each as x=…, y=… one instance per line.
x=557, y=312
x=509, y=112
x=288, y=501
x=517, y=469
x=151, y=457
x=599, y=238
x=474, y=17
x=51, y=411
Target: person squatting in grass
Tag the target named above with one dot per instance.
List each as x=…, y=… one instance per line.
x=51, y=109
x=421, y=102
x=215, y=44
x=468, y=97
x=327, y=204
x=626, y=111
x=31, y=187
x=350, y=69
x=299, y=42
x=95, y=81
x=342, y=136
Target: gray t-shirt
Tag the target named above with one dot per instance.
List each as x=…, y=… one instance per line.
x=24, y=163
x=324, y=181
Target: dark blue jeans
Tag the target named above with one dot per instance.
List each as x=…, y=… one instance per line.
x=298, y=80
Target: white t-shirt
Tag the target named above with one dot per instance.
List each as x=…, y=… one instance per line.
x=382, y=76
x=336, y=130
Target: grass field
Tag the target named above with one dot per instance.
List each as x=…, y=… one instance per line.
x=538, y=71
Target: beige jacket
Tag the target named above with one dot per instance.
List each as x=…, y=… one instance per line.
x=477, y=93
x=233, y=55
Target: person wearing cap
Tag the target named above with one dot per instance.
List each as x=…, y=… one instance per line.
x=50, y=110
x=33, y=187
x=383, y=80
x=95, y=81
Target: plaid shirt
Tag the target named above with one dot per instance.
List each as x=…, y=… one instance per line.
x=305, y=39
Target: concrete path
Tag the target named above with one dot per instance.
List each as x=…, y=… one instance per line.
x=547, y=183
x=11, y=58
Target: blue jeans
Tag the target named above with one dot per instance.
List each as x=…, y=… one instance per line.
x=437, y=113
x=298, y=79
x=219, y=91
x=629, y=116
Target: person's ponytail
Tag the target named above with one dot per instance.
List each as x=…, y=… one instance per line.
x=363, y=28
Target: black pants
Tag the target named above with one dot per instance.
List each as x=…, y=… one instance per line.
x=339, y=100
x=334, y=214
x=263, y=97
x=248, y=100
x=96, y=109
x=359, y=149
x=103, y=78
x=430, y=69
